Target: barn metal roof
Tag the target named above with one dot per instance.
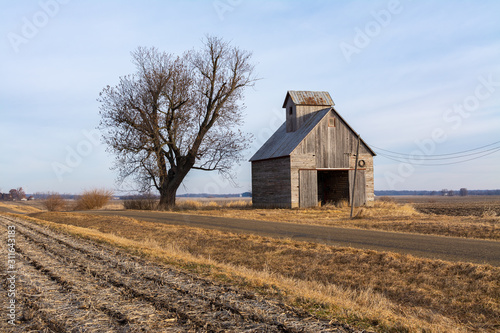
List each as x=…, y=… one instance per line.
x=282, y=143
x=321, y=98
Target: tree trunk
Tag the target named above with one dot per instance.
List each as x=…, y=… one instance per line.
x=169, y=187
x=167, y=198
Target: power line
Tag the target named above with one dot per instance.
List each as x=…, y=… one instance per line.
x=456, y=153
x=424, y=157
x=439, y=164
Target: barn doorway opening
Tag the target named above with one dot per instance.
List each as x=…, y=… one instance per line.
x=333, y=186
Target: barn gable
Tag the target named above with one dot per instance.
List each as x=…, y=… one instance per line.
x=331, y=141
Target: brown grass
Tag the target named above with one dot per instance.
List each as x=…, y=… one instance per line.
x=54, y=202
x=18, y=207
x=197, y=205
x=383, y=215
x=93, y=199
x=384, y=291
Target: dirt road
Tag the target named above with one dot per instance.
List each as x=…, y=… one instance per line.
x=66, y=284
x=427, y=246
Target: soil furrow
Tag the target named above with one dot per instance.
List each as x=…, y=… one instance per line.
x=86, y=268
x=93, y=295
x=281, y=324
x=39, y=300
x=200, y=317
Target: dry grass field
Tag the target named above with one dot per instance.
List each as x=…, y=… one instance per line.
x=471, y=217
x=379, y=291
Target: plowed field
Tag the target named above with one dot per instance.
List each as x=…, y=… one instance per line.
x=67, y=284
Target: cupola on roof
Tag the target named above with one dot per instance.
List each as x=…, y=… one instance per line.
x=320, y=98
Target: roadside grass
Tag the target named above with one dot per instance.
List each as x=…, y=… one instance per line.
x=383, y=215
x=369, y=289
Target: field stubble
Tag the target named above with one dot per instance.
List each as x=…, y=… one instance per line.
x=75, y=285
x=383, y=291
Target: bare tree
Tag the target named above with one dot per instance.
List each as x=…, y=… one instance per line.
x=176, y=114
x=17, y=194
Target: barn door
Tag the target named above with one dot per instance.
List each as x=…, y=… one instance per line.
x=360, y=193
x=308, y=188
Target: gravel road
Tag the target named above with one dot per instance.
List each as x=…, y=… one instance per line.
x=426, y=246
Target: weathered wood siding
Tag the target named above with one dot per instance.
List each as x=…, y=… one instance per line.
x=298, y=162
x=360, y=186
x=308, y=188
x=291, y=117
x=332, y=146
x=300, y=114
x=271, y=183
x=304, y=112
x=369, y=178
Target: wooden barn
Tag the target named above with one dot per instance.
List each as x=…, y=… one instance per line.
x=310, y=160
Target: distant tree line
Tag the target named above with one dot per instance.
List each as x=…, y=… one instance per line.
x=443, y=192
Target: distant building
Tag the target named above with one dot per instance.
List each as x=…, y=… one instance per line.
x=6, y=197
x=310, y=159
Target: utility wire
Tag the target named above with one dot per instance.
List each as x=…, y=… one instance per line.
x=456, y=153
x=425, y=157
x=438, y=164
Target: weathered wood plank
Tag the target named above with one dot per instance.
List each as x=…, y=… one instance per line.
x=360, y=192
x=271, y=183
x=308, y=188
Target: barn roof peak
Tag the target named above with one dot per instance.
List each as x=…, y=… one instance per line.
x=320, y=98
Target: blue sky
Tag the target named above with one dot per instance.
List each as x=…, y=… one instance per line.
x=419, y=77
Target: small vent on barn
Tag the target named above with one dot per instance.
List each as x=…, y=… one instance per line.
x=331, y=122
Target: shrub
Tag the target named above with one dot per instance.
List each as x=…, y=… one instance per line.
x=54, y=202
x=93, y=199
